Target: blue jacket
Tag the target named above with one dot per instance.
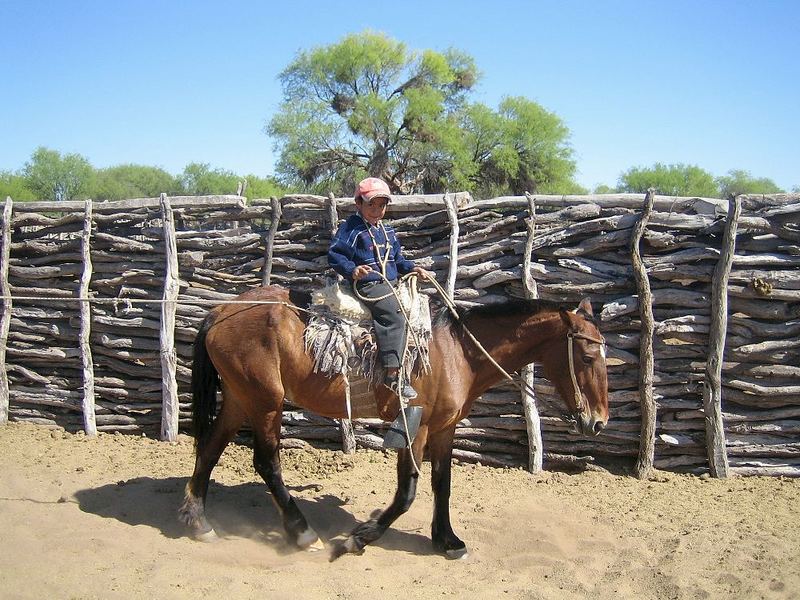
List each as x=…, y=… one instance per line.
x=352, y=246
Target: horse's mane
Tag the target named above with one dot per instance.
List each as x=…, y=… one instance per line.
x=514, y=307
x=300, y=298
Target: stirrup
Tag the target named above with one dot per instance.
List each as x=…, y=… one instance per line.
x=393, y=383
x=396, y=436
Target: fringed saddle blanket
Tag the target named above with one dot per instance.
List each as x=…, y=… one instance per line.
x=340, y=339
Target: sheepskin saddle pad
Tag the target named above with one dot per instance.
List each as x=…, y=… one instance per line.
x=340, y=339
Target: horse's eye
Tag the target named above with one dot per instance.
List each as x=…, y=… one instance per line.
x=587, y=360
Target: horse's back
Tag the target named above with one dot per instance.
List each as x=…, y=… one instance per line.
x=268, y=299
x=243, y=334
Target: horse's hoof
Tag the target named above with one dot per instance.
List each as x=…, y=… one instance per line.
x=207, y=537
x=349, y=546
x=308, y=540
x=457, y=554
x=316, y=546
x=337, y=551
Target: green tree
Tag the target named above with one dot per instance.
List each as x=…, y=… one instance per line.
x=200, y=179
x=670, y=180
x=367, y=105
x=51, y=176
x=13, y=185
x=604, y=189
x=263, y=187
x=133, y=181
x=520, y=147
x=738, y=181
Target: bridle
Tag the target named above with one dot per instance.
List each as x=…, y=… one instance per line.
x=523, y=386
x=580, y=407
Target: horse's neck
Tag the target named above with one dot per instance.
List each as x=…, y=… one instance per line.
x=512, y=345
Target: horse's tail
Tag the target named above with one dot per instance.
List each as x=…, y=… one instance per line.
x=205, y=382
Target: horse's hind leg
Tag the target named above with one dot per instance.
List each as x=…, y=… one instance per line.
x=407, y=478
x=192, y=511
x=440, y=449
x=267, y=462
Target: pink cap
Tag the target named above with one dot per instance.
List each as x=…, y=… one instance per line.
x=372, y=187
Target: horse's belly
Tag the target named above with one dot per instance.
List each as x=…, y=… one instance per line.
x=332, y=401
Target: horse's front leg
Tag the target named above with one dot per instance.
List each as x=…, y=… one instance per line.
x=407, y=478
x=440, y=449
x=267, y=462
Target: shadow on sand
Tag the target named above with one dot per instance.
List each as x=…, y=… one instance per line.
x=235, y=511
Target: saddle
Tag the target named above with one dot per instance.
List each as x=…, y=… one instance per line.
x=339, y=338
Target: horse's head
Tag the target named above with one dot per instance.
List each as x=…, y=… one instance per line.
x=577, y=367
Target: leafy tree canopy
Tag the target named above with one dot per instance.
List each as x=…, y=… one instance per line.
x=133, y=181
x=51, y=176
x=13, y=186
x=604, y=189
x=669, y=180
x=738, y=181
x=199, y=179
x=689, y=180
x=263, y=187
x=367, y=105
x=520, y=147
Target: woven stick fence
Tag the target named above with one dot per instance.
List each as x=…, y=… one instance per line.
x=723, y=395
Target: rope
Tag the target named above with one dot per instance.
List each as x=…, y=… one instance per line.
x=401, y=374
x=521, y=386
x=130, y=301
x=393, y=291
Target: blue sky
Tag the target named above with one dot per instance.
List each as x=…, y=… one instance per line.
x=716, y=84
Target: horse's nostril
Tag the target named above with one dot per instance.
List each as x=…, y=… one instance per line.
x=599, y=426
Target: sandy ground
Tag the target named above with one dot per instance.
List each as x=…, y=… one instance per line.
x=96, y=518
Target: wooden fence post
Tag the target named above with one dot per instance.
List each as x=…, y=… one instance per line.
x=5, y=318
x=88, y=405
x=169, y=386
x=452, y=215
x=277, y=211
x=532, y=420
x=345, y=425
x=332, y=214
x=647, y=437
x=712, y=385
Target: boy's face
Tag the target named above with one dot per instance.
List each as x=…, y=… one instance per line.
x=373, y=210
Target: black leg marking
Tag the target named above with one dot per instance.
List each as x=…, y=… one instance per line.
x=267, y=462
x=368, y=532
x=442, y=535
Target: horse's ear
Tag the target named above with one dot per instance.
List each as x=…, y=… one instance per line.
x=586, y=307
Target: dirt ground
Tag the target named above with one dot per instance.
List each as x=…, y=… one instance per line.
x=96, y=518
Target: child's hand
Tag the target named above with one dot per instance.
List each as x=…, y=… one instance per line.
x=424, y=273
x=361, y=271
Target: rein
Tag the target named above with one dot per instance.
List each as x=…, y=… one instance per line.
x=523, y=386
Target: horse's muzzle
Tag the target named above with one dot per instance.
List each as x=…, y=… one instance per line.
x=584, y=424
x=591, y=425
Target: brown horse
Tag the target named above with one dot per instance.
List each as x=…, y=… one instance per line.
x=255, y=353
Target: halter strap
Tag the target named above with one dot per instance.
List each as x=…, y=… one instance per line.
x=579, y=405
